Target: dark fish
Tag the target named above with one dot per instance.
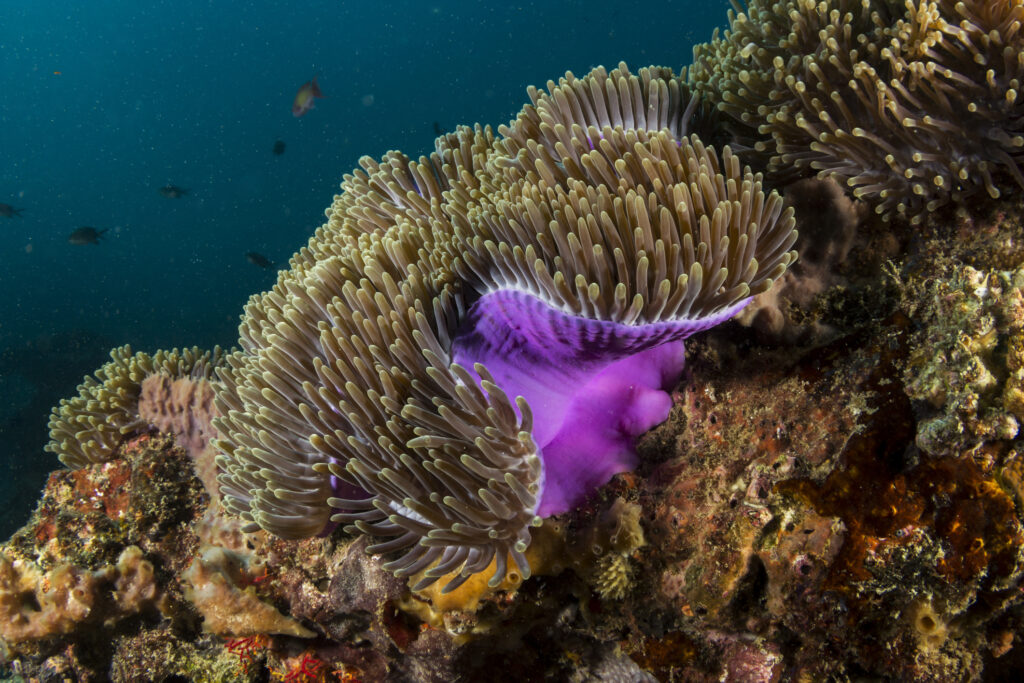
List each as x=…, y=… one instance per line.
x=437, y=129
x=259, y=260
x=278, y=148
x=86, y=235
x=173, y=191
x=9, y=211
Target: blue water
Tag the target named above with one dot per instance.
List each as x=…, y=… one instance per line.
x=103, y=102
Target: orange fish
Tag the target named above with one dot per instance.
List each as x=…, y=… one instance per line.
x=304, y=98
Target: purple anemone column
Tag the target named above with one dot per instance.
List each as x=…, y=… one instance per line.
x=593, y=386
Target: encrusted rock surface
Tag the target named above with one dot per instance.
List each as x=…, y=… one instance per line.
x=830, y=506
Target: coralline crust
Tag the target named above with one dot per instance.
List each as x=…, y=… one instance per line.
x=909, y=105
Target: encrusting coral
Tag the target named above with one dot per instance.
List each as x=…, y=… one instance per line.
x=907, y=104
x=36, y=604
x=428, y=367
x=966, y=368
x=214, y=584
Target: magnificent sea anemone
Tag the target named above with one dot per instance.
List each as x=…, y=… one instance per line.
x=909, y=105
x=473, y=341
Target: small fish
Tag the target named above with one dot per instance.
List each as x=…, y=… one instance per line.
x=259, y=260
x=304, y=98
x=86, y=235
x=437, y=129
x=278, y=148
x=9, y=211
x=173, y=191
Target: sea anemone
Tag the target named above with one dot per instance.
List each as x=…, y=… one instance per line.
x=909, y=105
x=384, y=205
x=89, y=427
x=483, y=352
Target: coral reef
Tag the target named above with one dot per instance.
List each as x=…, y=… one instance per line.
x=831, y=489
x=97, y=551
x=786, y=522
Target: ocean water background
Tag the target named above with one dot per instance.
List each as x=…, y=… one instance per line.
x=102, y=103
